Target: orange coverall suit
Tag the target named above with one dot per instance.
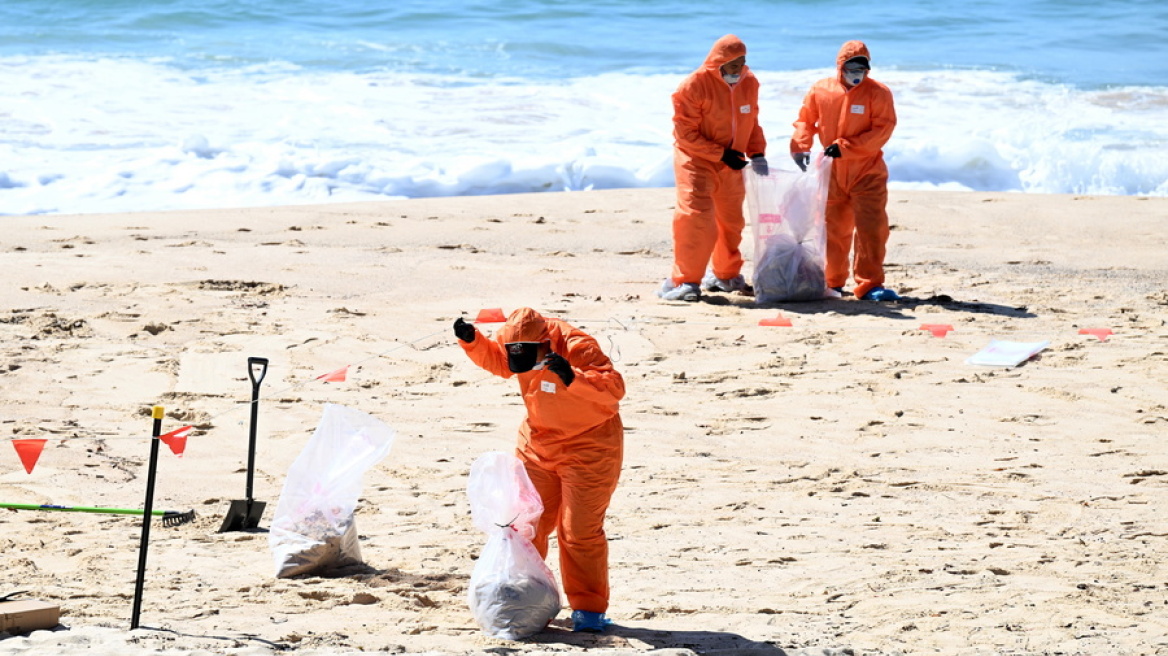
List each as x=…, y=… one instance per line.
x=860, y=119
x=709, y=116
x=571, y=443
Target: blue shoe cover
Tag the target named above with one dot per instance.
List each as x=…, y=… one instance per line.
x=588, y=621
x=686, y=291
x=881, y=294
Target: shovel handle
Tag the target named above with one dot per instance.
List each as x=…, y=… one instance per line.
x=252, y=364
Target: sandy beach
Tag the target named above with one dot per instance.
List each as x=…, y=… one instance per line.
x=846, y=484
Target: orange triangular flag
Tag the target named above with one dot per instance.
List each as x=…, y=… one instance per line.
x=777, y=321
x=490, y=315
x=176, y=440
x=29, y=452
x=1101, y=333
x=938, y=329
x=337, y=376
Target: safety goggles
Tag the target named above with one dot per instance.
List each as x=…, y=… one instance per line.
x=521, y=356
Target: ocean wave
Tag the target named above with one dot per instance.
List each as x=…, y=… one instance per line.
x=82, y=136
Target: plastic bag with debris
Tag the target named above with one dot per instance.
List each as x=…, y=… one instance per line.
x=786, y=212
x=313, y=528
x=513, y=593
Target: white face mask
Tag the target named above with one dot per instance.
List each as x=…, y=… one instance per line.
x=854, y=77
x=731, y=79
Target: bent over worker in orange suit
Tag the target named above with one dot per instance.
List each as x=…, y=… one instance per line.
x=853, y=116
x=571, y=442
x=715, y=124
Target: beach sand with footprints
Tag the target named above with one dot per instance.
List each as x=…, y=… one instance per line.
x=844, y=482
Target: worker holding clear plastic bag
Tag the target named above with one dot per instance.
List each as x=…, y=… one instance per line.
x=853, y=116
x=786, y=210
x=571, y=442
x=716, y=135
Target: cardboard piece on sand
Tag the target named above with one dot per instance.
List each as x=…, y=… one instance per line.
x=28, y=615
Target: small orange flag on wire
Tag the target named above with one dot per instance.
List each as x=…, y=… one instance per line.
x=1100, y=333
x=938, y=329
x=337, y=376
x=779, y=321
x=29, y=452
x=176, y=440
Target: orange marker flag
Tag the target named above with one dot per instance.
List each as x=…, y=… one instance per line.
x=938, y=329
x=337, y=376
x=1101, y=333
x=780, y=321
x=490, y=315
x=29, y=452
x=176, y=440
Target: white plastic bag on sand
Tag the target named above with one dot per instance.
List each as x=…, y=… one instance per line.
x=1000, y=353
x=313, y=529
x=512, y=592
x=787, y=212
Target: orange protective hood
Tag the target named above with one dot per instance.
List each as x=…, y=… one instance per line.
x=726, y=49
x=524, y=325
x=849, y=50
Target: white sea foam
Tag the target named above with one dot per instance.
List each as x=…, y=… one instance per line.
x=81, y=136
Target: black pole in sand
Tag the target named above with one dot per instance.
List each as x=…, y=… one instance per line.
x=145, y=542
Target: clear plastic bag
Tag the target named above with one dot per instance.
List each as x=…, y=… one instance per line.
x=313, y=528
x=786, y=212
x=512, y=593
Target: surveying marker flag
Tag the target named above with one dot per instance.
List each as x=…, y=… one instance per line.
x=176, y=440
x=938, y=329
x=779, y=321
x=29, y=452
x=337, y=376
x=1100, y=333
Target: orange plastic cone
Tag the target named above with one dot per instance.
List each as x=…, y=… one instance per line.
x=490, y=315
x=29, y=452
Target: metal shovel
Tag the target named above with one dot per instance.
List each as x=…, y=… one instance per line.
x=245, y=514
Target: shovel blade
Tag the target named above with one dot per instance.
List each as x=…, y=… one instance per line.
x=242, y=515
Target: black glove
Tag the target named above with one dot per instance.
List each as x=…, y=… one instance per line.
x=759, y=164
x=464, y=330
x=560, y=367
x=734, y=159
x=801, y=160
x=832, y=151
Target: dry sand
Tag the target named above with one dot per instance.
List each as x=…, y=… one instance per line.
x=845, y=483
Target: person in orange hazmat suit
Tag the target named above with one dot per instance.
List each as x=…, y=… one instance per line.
x=715, y=124
x=853, y=116
x=571, y=442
